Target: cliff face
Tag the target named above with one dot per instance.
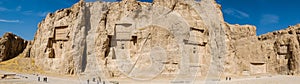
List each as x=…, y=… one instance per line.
x=164, y=38
x=244, y=49
x=281, y=50
x=271, y=53
x=119, y=38
x=11, y=46
x=60, y=40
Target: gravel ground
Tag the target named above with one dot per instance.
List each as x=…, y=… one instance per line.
x=33, y=79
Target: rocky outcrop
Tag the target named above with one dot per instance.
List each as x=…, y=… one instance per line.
x=243, y=49
x=281, y=50
x=271, y=53
x=166, y=38
x=11, y=46
x=119, y=39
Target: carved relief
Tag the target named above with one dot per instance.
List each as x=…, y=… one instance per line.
x=61, y=33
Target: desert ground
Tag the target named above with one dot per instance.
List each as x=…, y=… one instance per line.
x=33, y=79
x=165, y=38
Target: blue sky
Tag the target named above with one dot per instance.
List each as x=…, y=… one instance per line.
x=266, y=15
x=22, y=16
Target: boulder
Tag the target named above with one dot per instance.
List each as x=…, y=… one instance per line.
x=11, y=46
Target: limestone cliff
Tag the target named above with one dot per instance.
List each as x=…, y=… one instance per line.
x=166, y=38
x=119, y=38
x=281, y=50
x=271, y=53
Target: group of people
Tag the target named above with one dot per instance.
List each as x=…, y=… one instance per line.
x=42, y=79
x=98, y=81
x=228, y=78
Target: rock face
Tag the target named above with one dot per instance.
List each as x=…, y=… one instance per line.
x=166, y=38
x=243, y=50
x=281, y=50
x=121, y=38
x=271, y=53
x=11, y=46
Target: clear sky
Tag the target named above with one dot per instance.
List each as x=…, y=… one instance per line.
x=22, y=16
x=266, y=15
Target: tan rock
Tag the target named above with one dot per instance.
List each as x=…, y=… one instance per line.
x=166, y=38
x=119, y=39
x=271, y=53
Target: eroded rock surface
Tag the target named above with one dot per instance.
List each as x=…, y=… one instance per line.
x=118, y=38
x=11, y=46
x=166, y=38
x=271, y=53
